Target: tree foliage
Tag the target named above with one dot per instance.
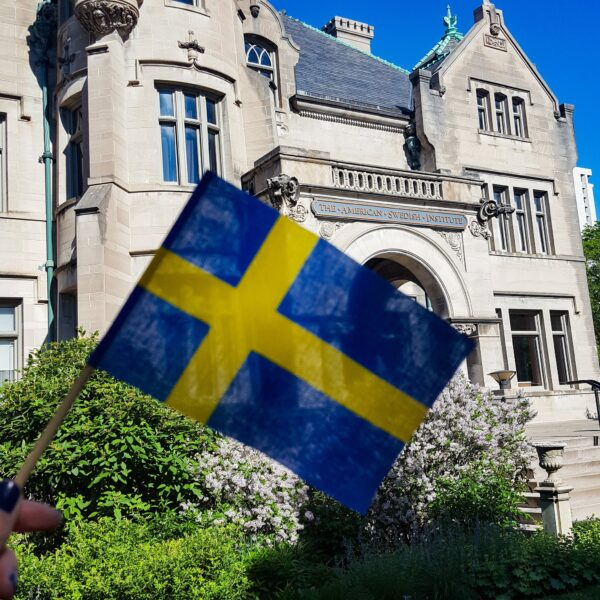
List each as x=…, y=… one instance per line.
x=119, y=452
x=591, y=250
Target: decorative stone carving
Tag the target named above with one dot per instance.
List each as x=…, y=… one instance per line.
x=328, y=228
x=298, y=213
x=495, y=29
x=413, y=147
x=479, y=230
x=490, y=209
x=551, y=459
x=192, y=46
x=465, y=328
x=454, y=240
x=102, y=17
x=283, y=189
x=42, y=31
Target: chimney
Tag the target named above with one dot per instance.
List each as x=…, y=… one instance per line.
x=355, y=33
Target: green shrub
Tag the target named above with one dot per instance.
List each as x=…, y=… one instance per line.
x=483, y=492
x=122, y=560
x=119, y=452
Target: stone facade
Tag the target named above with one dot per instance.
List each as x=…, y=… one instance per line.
x=475, y=219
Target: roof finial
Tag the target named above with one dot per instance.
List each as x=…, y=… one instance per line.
x=450, y=22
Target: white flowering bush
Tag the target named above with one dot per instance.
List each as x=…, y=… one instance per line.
x=465, y=435
x=244, y=487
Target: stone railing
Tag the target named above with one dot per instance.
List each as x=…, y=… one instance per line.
x=386, y=183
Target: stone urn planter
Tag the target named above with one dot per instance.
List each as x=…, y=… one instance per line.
x=551, y=459
x=102, y=17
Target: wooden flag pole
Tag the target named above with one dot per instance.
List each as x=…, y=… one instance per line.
x=48, y=434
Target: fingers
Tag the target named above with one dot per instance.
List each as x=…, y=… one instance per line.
x=8, y=574
x=33, y=516
x=10, y=495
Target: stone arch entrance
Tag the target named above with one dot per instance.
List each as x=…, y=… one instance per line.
x=408, y=257
x=412, y=279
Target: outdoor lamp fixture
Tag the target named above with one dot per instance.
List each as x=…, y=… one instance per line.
x=255, y=9
x=503, y=378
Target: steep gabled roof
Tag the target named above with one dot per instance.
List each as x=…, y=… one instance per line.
x=451, y=38
x=332, y=70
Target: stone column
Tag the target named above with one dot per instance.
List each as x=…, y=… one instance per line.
x=554, y=495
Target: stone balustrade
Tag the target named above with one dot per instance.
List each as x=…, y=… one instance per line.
x=387, y=183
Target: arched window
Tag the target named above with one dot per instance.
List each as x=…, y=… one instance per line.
x=260, y=59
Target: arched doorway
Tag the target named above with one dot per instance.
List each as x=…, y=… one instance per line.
x=411, y=278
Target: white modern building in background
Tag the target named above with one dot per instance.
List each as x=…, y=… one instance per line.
x=584, y=193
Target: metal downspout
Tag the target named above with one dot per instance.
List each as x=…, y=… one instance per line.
x=40, y=41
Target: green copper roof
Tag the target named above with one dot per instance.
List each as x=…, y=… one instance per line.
x=448, y=42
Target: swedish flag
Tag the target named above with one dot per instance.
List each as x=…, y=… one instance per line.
x=253, y=325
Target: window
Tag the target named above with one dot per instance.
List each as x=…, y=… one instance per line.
x=483, y=109
x=501, y=120
x=74, y=153
x=525, y=329
x=66, y=10
x=189, y=127
x=259, y=59
x=3, y=166
x=560, y=338
x=503, y=241
x=8, y=341
x=519, y=117
x=539, y=203
x=522, y=238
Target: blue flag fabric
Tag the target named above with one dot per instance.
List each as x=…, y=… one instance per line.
x=253, y=325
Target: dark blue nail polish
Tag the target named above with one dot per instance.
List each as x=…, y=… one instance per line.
x=9, y=495
x=14, y=580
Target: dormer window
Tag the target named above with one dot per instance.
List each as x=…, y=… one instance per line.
x=259, y=59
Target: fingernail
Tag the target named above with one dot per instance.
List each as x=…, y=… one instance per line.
x=14, y=580
x=9, y=495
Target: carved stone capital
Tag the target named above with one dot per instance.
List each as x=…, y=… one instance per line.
x=479, y=230
x=467, y=329
x=102, y=17
x=283, y=189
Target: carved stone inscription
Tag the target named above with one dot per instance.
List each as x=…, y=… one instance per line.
x=495, y=42
x=387, y=214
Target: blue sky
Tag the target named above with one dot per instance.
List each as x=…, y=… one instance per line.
x=559, y=37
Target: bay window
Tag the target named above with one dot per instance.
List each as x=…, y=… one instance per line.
x=190, y=135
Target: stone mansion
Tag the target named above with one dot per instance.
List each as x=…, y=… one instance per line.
x=454, y=181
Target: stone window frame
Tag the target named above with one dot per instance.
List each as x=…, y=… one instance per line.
x=511, y=94
x=15, y=335
x=536, y=247
x=501, y=122
x=539, y=342
x=483, y=109
x=271, y=49
x=205, y=129
x=197, y=6
x=73, y=122
x=543, y=305
x=3, y=163
x=519, y=117
x=563, y=335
